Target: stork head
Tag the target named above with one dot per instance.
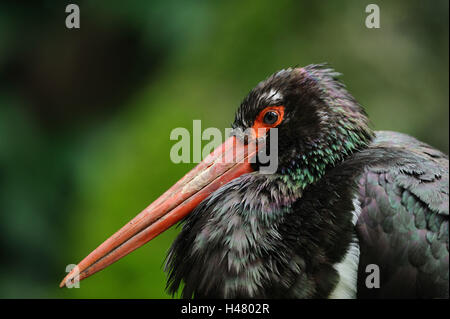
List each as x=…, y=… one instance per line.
x=318, y=123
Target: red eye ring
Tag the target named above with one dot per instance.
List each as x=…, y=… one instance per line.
x=259, y=122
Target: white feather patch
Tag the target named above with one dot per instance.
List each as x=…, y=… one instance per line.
x=273, y=96
x=348, y=268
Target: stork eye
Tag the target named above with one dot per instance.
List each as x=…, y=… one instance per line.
x=270, y=117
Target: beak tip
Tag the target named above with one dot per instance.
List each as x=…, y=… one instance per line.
x=66, y=279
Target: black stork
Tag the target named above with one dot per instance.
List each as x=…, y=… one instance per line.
x=344, y=200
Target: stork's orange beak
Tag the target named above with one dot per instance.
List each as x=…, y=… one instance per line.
x=227, y=162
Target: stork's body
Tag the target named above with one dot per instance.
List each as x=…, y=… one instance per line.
x=385, y=205
x=342, y=198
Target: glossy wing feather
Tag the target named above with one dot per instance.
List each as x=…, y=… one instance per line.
x=403, y=226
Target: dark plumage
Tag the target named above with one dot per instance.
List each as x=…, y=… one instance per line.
x=339, y=187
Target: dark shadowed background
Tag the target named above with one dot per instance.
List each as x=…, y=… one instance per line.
x=85, y=115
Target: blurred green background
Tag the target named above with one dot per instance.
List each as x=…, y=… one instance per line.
x=85, y=115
